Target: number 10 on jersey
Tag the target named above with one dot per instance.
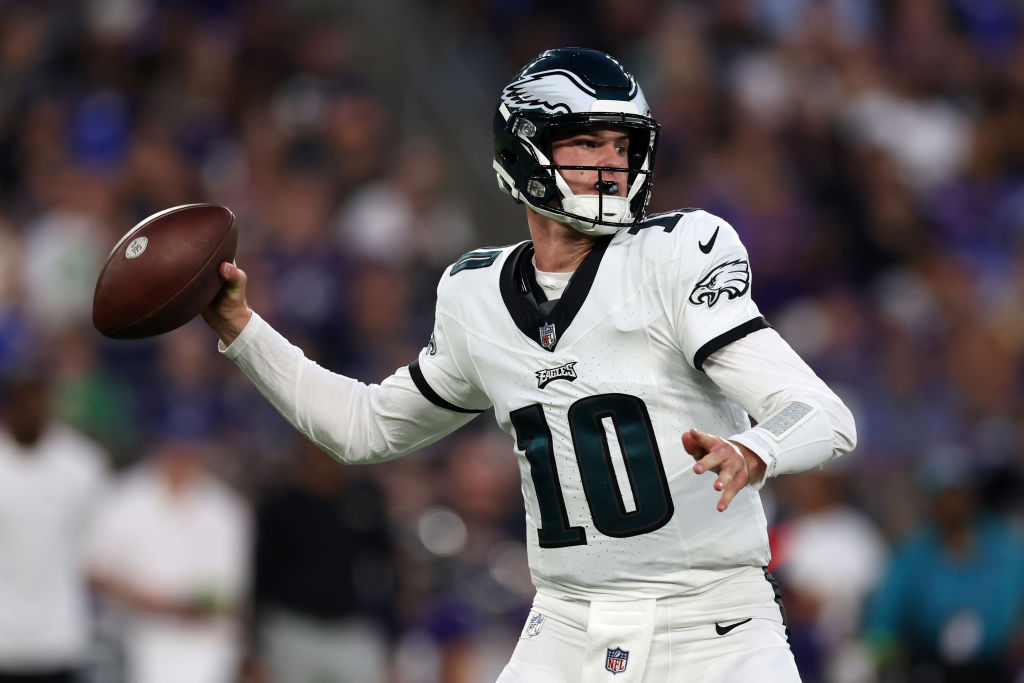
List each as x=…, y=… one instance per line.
x=632, y=428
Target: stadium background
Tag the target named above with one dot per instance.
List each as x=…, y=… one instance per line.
x=869, y=152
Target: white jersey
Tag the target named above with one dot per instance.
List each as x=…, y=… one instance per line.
x=597, y=392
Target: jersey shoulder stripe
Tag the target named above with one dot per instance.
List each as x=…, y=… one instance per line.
x=728, y=337
x=428, y=391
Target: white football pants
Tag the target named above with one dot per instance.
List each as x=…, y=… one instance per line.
x=652, y=641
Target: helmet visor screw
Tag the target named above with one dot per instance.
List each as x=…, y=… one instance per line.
x=535, y=188
x=526, y=128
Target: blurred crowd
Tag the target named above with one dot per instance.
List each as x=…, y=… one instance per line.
x=869, y=152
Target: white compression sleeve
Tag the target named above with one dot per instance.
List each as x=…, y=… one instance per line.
x=355, y=422
x=801, y=422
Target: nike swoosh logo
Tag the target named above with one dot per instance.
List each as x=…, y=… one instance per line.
x=722, y=630
x=706, y=248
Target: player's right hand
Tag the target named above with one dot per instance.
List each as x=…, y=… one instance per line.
x=229, y=313
x=735, y=464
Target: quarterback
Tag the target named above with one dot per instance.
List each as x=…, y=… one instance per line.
x=624, y=355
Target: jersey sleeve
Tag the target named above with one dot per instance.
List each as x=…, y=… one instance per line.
x=354, y=422
x=712, y=302
x=444, y=372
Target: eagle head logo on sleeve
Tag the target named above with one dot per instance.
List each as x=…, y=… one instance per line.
x=731, y=278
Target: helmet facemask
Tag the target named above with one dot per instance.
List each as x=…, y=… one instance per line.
x=562, y=93
x=546, y=189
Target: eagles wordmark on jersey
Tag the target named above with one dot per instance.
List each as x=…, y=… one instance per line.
x=613, y=507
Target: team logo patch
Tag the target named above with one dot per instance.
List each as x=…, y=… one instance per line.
x=548, y=337
x=731, y=278
x=549, y=375
x=616, y=660
x=534, y=625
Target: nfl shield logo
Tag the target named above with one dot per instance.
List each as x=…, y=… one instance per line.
x=535, y=624
x=548, y=336
x=616, y=660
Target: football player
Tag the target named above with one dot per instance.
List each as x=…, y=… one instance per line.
x=610, y=345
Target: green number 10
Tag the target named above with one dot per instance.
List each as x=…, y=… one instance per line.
x=628, y=417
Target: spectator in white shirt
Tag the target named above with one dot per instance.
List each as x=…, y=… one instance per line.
x=171, y=546
x=51, y=480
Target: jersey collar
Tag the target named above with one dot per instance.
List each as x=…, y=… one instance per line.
x=523, y=296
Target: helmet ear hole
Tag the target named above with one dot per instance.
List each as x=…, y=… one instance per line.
x=509, y=156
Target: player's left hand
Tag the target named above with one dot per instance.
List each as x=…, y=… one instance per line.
x=735, y=464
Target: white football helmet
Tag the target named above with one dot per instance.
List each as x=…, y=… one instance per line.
x=568, y=89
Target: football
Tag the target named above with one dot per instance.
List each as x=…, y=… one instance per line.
x=164, y=271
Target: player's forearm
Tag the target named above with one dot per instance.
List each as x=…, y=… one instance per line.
x=800, y=435
x=801, y=422
x=355, y=422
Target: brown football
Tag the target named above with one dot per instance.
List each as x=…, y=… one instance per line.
x=164, y=271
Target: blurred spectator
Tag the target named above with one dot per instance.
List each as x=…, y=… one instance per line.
x=385, y=326
x=849, y=21
x=311, y=277
x=926, y=137
x=828, y=557
x=51, y=482
x=170, y=548
x=324, y=589
x=189, y=397
x=64, y=250
x=10, y=249
x=409, y=217
x=16, y=328
x=478, y=589
x=89, y=397
x=952, y=601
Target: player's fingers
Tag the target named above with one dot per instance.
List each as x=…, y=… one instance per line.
x=705, y=440
x=712, y=461
x=732, y=477
x=730, y=492
x=228, y=313
x=234, y=282
x=231, y=273
x=691, y=446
